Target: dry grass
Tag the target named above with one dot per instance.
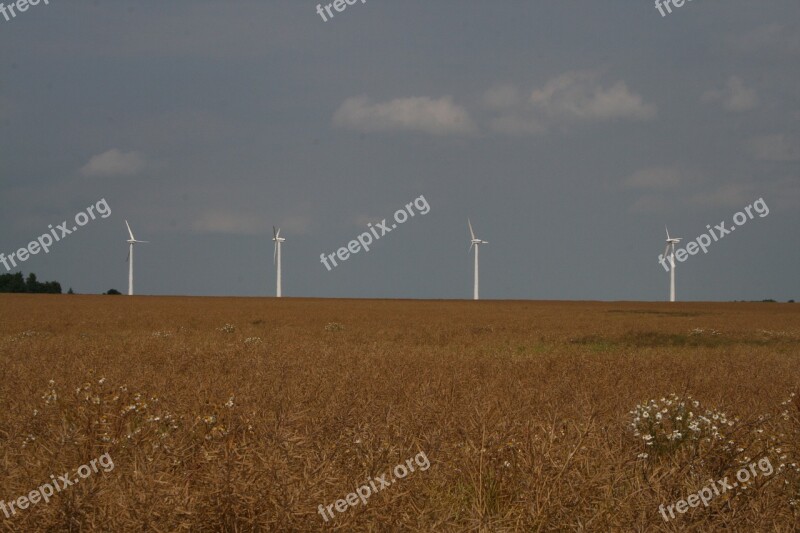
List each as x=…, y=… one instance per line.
x=521, y=407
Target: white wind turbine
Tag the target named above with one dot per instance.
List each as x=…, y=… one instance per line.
x=131, y=242
x=276, y=256
x=671, y=242
x=476, y=243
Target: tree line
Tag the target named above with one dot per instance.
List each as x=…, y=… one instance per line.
x=17, y=283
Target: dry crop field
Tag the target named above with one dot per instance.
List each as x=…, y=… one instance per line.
x=234, y=414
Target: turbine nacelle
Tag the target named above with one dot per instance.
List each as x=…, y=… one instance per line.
x=672, y=240
x=276, y=235
x=474, y=241
x=132, y=240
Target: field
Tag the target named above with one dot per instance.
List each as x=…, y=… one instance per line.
x=229, y=414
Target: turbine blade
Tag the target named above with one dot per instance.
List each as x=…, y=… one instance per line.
x=472, y=233
x=129, y=231
x=274, y=235
x=275, y=254
x=665, y=228
x=278, y=235
x=666, y=249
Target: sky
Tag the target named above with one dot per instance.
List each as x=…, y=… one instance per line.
x=569, y=133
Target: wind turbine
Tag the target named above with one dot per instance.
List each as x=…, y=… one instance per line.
x=671, y=242
x=131, y=242
x=476, y=243
x=276, y=256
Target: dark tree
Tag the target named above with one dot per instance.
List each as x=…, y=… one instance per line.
x=17, y=283
x=12, y=283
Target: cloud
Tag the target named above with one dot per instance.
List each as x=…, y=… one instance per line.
x=113, y=163
x=661, y=188
x=769, y=38
x=238, y=223
x=422, y=114
x=729, y=195
x=295, y=225
x=649, y=204
x=363, y=220
x=502, y=97
x=774, y=148
x=734, y=96
x=570, y=98
x=229, y=222
x=576, y=95
x=655, y=178
x=518, y=124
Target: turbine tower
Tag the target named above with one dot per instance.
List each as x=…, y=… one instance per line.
x=476, y=243
x=671, y=242
x=131, y=242
x=276, y=256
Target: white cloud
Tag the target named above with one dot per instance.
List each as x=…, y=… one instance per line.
x=734, y=96
x=774, y=148
x=576, y=95
x=572, y=97
x=114, y=163
x=421, y=114
x=655, y=178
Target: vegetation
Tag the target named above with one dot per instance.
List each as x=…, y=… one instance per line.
x=226, y=414
x=17, y=283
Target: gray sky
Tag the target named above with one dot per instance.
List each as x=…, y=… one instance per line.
x=569, y=132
